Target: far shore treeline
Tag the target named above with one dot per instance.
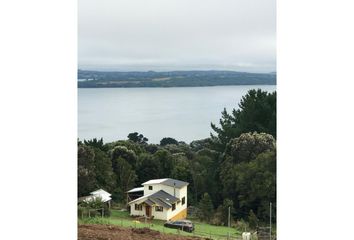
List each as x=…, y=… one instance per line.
x=235, y=167
x=105, y=79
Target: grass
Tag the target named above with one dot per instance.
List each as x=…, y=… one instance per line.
x=122, y=218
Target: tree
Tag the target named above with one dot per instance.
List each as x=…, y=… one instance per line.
x=103, y=170
x=96, y=144
x=221, y=216
x=257, y=112
x=248, y=145
x=147, y=168
x=137, y=138
x=256, y=182
x=86, y=170
x=252, y=220
x=168, y=140
x=206, y=208
x=125, y=177
x=165, y=162
x=125, y=153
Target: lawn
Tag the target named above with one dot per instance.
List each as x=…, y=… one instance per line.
x=122, y=218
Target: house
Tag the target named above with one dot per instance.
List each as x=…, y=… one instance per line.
x=100, y=193
x=164, y=199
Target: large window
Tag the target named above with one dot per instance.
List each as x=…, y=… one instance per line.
x=173, y=206
x=138, y=207
x=183, y=200
x=159, y=209
x=150, y=187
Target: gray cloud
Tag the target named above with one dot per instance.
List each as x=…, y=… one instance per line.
x=177, y=34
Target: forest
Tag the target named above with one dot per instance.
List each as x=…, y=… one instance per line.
x=235, y=166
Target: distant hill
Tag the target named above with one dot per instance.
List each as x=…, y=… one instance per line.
x=100, y=79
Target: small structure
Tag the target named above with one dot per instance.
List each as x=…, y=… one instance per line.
x=164, y=199
x=101, y=194
x=135, y=193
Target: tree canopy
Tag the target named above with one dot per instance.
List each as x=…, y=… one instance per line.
x=256, y=113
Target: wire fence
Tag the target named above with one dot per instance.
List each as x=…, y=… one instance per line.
x=87, y=216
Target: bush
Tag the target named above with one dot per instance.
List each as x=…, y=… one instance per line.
x=206, y=208
x=241, y=225
x=252, y=220
x=93, y=208
x=217, y=218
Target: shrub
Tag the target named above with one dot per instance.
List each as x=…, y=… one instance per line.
x=241, y=225
x=206, y=208
x=252, y=220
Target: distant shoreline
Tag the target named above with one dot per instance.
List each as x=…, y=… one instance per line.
x=100, y=79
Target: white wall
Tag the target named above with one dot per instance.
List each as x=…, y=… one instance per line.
x=157, y=215
x=135, y=212
x=180, y=192
x=161, y=215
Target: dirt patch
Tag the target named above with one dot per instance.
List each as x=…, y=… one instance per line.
x=109, y=232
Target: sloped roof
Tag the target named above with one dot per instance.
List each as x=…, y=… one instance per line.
x=168, y=182
x=160, y=198
x=138, y=189
x=99, y=192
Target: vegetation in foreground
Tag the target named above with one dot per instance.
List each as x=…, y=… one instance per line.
x=235, y=167
x=122, y=218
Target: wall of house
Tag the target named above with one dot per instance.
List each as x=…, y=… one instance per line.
x=160, y=215
x=134, y=212
x=180, y=192
x=157, y=215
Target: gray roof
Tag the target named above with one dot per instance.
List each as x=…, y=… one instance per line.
x=160, y=198
x=164, y=196
x=173, y=182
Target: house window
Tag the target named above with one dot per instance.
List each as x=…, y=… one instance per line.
x=159, y=209
x=138, y=207
x=150, y=187
x=173, y=206
x=183, y=200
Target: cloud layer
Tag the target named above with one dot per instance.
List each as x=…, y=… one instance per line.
x=177, y=34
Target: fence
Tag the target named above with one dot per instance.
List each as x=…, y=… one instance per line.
x=90, y=212
x=263, y=232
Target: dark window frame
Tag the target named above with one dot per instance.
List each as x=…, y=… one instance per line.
x=173, y=206
x=183, y=200
x=158, y=208
x=150, y=187
x=138, y=207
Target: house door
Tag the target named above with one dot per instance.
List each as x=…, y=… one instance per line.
x=148, y=211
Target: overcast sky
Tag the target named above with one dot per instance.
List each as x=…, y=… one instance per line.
x=160, y=35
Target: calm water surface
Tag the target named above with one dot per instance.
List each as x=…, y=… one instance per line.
x=182, y=113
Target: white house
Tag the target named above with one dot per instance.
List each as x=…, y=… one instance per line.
x=100, y=193
x=164, y=199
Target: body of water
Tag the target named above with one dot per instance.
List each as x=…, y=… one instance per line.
x=182, y=113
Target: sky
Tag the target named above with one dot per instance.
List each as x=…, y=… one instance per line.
x=165, y=35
